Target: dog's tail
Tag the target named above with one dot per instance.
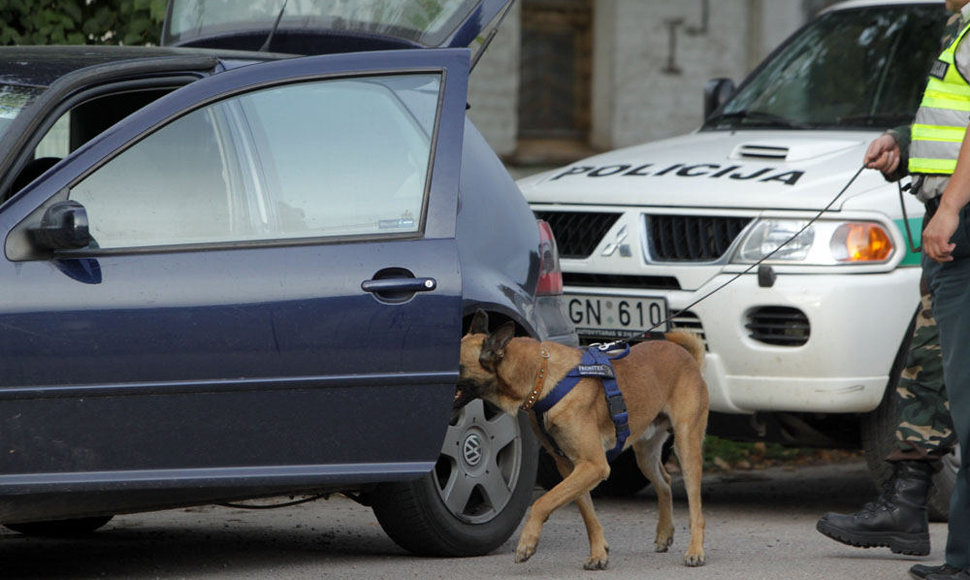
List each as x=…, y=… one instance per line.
x=690, y=341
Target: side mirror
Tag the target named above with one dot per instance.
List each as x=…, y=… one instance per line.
x=63, y=227
x=716, y=93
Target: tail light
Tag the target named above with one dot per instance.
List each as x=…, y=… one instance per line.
x=550, y=276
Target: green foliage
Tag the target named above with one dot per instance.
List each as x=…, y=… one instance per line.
x=81, y=21
x=724, y=453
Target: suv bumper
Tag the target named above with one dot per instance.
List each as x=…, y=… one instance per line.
x=856, y=324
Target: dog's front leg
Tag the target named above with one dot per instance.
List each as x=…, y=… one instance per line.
x=598, y=548
x=584, y=477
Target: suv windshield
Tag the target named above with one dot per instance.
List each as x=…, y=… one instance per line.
x=426, y=23
x=848, y=68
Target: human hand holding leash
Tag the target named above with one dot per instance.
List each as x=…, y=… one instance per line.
x=883, y=154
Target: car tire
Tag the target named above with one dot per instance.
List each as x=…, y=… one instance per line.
x=879, y=438
x=60, y=528
x=477, y=494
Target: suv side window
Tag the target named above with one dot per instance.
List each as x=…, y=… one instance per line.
x=323, y=159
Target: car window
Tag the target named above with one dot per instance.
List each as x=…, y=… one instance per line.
x=171, y=188
x=848, y=68
x=427, y=23
x=333, y=158
x=79, y=125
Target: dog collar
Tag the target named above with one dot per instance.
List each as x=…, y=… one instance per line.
x=540, y=382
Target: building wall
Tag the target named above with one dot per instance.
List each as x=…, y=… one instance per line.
x=651, y=60
x=494, y=87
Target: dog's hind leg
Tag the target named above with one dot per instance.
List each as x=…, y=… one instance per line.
x=649, y=453
x=689, y=442
x=584, y=477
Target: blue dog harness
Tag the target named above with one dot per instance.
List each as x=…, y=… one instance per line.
x=595, y=363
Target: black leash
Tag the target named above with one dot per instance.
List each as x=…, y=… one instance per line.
x=756, y=264
x=909, y=233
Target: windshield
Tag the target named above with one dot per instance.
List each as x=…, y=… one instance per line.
x=427, y=23
x=861, y=67
x=13, y=100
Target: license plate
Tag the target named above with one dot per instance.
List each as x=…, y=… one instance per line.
x=616, y=316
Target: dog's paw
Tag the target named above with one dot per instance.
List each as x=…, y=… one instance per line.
x=663, y=543
x=596, y=563
x=694, y=560
x=523, y=553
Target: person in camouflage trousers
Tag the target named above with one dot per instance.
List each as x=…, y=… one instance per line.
x=925, y=430
x=924, y=434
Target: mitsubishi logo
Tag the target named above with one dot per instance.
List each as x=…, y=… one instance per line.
x=472, y=449
x=617, y=244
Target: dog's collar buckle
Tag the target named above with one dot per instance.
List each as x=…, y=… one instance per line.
x=540, y=382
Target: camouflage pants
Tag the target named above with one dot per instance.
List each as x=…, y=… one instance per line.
x=925, y=429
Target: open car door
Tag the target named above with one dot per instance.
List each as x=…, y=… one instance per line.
x=280, y=240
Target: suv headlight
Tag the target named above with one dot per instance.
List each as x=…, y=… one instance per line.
x=822, y=243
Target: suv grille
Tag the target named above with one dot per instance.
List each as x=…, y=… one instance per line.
x=620, y=281
x=688, y=321
x=692, y=238
x=578, y=233
x=779, y=325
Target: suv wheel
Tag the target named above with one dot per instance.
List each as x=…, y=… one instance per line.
x=477, y=494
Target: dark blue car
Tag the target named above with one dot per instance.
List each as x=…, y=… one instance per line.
x=231, y=274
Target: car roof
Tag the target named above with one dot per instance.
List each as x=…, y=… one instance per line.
x=42, y=65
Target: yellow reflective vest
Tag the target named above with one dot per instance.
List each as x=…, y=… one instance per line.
x=942, y=117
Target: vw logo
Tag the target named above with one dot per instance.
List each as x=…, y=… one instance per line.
x=472, y=449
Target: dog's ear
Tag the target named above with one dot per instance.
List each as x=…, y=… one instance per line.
x=493, y=349
x=479, y=323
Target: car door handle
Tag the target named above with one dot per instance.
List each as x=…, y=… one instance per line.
x=398, y=285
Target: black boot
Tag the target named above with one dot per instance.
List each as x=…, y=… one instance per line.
x=896, y=519
x=945, y=570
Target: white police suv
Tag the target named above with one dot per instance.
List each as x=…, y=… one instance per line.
x=803, y=341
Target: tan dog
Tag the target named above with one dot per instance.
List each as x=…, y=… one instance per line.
x=662, y=386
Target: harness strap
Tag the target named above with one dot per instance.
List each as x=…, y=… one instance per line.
x=595, y=363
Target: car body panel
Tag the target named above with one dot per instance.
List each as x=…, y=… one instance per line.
x=713, y=169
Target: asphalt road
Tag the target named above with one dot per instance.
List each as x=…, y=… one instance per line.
x=760, y=524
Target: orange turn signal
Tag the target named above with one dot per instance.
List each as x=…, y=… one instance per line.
x=861, y=242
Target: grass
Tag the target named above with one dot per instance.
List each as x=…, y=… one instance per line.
x=724, y=454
